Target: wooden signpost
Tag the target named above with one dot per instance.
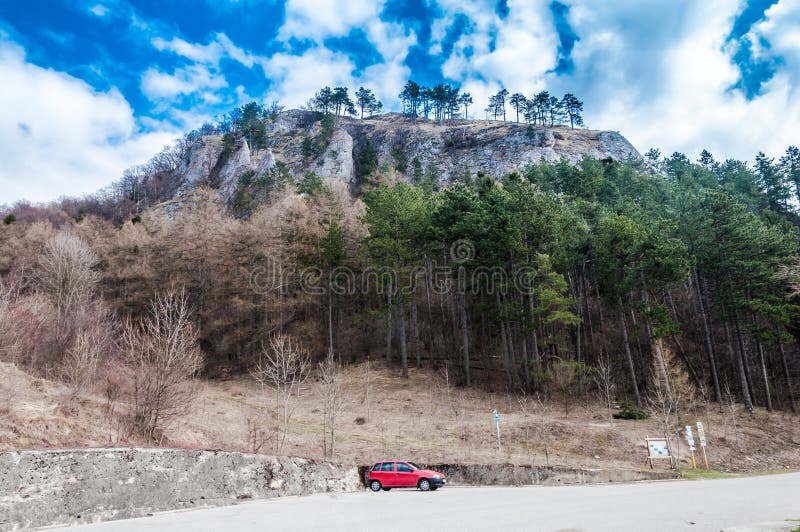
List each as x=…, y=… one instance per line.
x=690, y=442
x=701, y=435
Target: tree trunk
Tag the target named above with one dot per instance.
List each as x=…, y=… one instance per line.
x=709, y=340
x=628, y=354
x=429, y=325
x=534, y=340
x=743, y=357
x=451, y=303
x=415, y=332
x=655, y=346
x=762, y=363
x=330, y=319
x=503, y=338
x=389, y=328
x=401, y=332
x=792, y=402
x=511, y=351
x=764, y=374
x=738, y=362
x=464, y=336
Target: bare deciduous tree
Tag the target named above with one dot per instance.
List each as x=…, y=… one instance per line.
x=663, y=404
x=331, y=388
x=567, y=378
x=284, y=365
x=604, y=378
x=66, y=271
x=88, y=348
x=257, y=436
x=164, y=357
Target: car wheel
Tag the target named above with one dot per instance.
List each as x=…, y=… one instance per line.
x=375, y=485
x=424, y=484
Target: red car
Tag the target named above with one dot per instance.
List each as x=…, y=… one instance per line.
x=387, y=475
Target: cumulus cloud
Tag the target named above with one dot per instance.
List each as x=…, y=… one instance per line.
x=59, y=136
x=297, y=77
x=318, y=19
x=193, y=79
x=220, y=47
x=662, y=75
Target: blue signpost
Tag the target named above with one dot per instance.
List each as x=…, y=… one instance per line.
x=497, y=424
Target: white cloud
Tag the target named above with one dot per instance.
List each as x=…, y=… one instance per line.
x=220, y=47
x=99, y=10
x=318, y=19
x=58, y=136
x=201, y=53
x=659, y=72
x=297, y=77
x=515, y=52
x=662, y=75
x=194, y=79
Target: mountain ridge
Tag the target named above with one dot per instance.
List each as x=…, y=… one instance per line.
x=300, y=142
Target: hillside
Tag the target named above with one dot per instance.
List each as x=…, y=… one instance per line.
x=421, y=419
x=589, y=276
x=449, y=150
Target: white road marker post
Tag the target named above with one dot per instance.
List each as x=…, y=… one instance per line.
x=497, y=425
x=701, y=434
x=690, y=441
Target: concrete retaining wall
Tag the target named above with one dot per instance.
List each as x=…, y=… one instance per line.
x=522, y=475
x=39, y=488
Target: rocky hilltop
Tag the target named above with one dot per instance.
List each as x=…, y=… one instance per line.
x=298, y=143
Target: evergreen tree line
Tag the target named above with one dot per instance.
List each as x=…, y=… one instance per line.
x=652, y=268
x=653, y=273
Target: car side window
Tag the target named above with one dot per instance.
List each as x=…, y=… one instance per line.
x=376, y=467
x=388, y=467
x=403, y=468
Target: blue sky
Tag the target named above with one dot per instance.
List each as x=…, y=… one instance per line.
x=92, y=87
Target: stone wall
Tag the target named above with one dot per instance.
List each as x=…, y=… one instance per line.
x=39, y=488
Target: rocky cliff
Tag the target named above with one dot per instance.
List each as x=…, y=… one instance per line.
x=297, y=143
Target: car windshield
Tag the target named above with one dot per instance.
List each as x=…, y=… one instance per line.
x=412, y=464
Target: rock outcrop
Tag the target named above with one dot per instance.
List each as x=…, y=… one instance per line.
x=450, y=150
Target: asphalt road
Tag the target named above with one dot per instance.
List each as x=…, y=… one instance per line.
x=703, y=505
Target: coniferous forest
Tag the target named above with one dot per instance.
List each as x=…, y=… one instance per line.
x=656, y=272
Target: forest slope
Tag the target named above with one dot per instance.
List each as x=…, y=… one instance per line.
x=421, y=419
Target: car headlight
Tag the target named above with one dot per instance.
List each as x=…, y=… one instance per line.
x=437, y=476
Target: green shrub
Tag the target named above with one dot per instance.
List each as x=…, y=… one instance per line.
x=9, y=219
x=307, y=147
x=628, y=410
x=400, y=158
x=310, y=183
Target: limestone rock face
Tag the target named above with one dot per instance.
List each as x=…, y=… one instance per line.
x=235, y=166
x=201, y=161
x=296, y=144
x=337, y=161
x=266, y=163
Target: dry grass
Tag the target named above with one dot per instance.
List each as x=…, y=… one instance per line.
x=420, y=419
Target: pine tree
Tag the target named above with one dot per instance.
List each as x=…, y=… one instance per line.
x=573, y=108
x=518, y=103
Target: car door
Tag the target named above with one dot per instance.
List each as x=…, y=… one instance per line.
x=405, y=475
x=388, y=476
x=375, y=472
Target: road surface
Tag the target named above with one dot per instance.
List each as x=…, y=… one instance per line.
x=702, y=505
